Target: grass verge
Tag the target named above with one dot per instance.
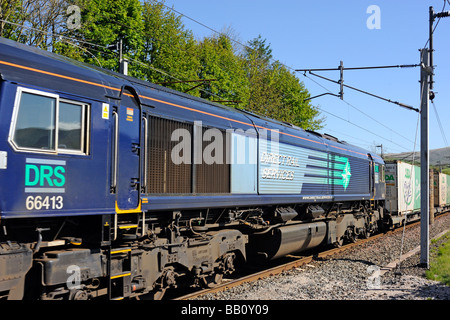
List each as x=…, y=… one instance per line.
x=440, y=260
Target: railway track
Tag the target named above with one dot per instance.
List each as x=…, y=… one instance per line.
x=295, y=262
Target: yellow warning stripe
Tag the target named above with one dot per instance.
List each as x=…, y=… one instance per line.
x=121, y=275
x=120, y=251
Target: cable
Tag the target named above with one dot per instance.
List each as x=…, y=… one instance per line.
x=399, y=266
x=52, y=34
x=67, y=40
x=365, y=92
x=349, y=104
x=167, y=74
x=362, y=128
x=159, y=40
x=436, y=23
x=439, y=123
x=86, y=50
x=347, y=135
x=219, y=33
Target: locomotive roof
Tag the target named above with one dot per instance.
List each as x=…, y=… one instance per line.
x=37, y=67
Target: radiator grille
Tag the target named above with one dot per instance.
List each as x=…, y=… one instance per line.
x=164, y=176
x=215, y=177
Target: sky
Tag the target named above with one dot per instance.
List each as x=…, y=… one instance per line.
x=319, y=34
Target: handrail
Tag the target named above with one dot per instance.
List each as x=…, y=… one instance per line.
x=144, y=183
x=116, y=151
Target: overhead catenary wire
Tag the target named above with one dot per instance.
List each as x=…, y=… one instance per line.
x=357, y=68
x=218, y=32
x=67, y=40
x=351, y=68
x=210, y=93
x=362, y=128
x=362, y=91
x=357, y=140
x=367, y=115
x=437, y=23
x=71, y=40
x=51, y=34
x=365, y=129
x=439, y=124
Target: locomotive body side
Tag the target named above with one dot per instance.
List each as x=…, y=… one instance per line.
x=43, y=179
x=130, y=188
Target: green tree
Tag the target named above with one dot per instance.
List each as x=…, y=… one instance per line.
x=161, y=50
x=11, y=11
x=275, y=91
x=220, y=64
x=259, y=50
x=292, y=93
x=33, y=22
x=104, y=23
x=170, y=50
x=263, y=98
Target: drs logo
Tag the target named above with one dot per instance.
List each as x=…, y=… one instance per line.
x=44, y=176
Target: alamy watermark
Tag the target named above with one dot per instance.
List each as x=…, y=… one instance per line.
x=237, y=146
x=374, y=20
x=74, y=17
x=374, y=280
x=74, y=278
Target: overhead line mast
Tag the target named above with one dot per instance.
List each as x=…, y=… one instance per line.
x=427, y=84
x=341, y=68
x=426, y=81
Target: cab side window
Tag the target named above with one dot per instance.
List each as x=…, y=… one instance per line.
x=35, y=124
x=72, y=127
x=43, y=122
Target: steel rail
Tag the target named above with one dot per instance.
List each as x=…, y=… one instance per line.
x=293, y=264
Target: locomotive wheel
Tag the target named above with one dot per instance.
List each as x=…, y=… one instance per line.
x=167, y=280
x=366, y=233
x=339, y=242
x=159, y=294
x=80, y=295
x=352, y=238
x=213, y=280
x=351, y=235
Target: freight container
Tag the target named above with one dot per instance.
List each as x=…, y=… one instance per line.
x=441, y=190
x=402, y=190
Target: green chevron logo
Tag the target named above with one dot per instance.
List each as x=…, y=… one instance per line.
x=343, y=172
x=346, y=174
x=336, y=171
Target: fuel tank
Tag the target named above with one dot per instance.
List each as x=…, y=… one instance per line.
x=281, y=241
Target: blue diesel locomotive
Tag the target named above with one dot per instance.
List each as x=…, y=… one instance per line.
x=112, y=187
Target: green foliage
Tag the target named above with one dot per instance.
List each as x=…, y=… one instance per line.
x=169, y=50
x=161, y=50
x=10, y=11
x=440, y=261
x=219, y=64
x=104, y=23
x=264, y=98
x=275, y=91
x=34, y=21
